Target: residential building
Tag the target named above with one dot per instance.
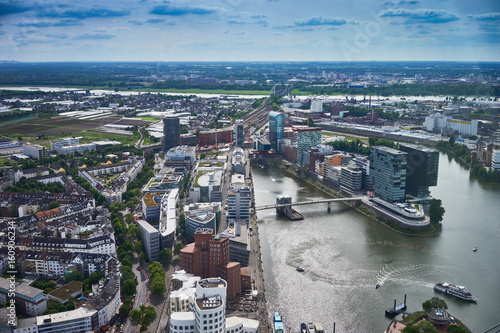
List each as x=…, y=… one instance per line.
x=30, y=301
x=307, y=137
x=388, y=172
x=81, y=320
x=171, y=132
x=61, y=295
x=276, y=129
x=36, y=152
x=150, y=238
x=421, y=169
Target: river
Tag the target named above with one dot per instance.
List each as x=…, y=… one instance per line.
x=345, y=254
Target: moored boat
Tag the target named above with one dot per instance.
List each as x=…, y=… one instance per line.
x=454, y=290
x=303, y=328
x=278, y=323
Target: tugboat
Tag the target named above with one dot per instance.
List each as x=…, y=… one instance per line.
x=299, y=269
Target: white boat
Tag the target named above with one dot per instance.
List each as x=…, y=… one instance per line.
x=454, y=290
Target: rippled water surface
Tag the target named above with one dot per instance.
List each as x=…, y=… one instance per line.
x=345, y=254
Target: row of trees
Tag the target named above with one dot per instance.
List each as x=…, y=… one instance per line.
x=405, y=90
x=32, y=185
x=463, y=152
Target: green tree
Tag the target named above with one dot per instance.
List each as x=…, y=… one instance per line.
x=451, y=140
x=177, y=248
x=73, y=276
x=129, y=287
x=158, y=286
x=410, y=329
x=148, y=316
x=138, y=247
x=165, y=255
x=434, y=303
x=135, y=316
x=53, y=204
x=426, y=327
x=456, y=329
x=127, y=273
x=124, y=310
x=436, y=211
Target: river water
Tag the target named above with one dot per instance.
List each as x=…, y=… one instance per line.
x=345, y=254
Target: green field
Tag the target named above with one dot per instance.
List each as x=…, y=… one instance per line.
x=207, y=91
x=50, y=129
x=147, y=118
x=17, y=120
x=298, y=92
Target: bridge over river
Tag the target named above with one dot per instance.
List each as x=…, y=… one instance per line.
x=284, y=205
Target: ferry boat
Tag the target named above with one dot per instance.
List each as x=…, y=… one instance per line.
x=454, y=290
x=278, y=323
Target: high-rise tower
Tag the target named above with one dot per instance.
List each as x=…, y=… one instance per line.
x=171, y=132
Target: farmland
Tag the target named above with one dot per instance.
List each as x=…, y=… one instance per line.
x=41, y=130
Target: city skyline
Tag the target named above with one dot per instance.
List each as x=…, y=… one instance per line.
x=261, y=30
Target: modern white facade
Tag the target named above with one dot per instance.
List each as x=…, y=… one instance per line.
x=495, y=159
x=150, y=238
x=207, y=312
x=238, y=199
x=437, y=122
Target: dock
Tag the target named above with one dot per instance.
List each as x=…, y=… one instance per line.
x=397, y=309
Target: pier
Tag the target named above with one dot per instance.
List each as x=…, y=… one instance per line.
x=397, y=309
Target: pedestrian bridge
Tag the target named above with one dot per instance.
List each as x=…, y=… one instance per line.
x=299, y=203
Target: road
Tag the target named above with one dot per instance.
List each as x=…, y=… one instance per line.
x=141, y=295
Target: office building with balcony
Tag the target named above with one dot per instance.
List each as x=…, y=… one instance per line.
x=421, y=169
x=276, y=129
x=307, y=137
x=388, y=173
x=201, y=215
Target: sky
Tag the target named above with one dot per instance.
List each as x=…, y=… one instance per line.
x=250, y=30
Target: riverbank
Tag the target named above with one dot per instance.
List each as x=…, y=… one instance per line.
x=336, y=193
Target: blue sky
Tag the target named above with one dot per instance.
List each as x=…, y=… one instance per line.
x=251, y=30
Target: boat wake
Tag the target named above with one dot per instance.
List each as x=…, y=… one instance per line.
x=413, y=273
